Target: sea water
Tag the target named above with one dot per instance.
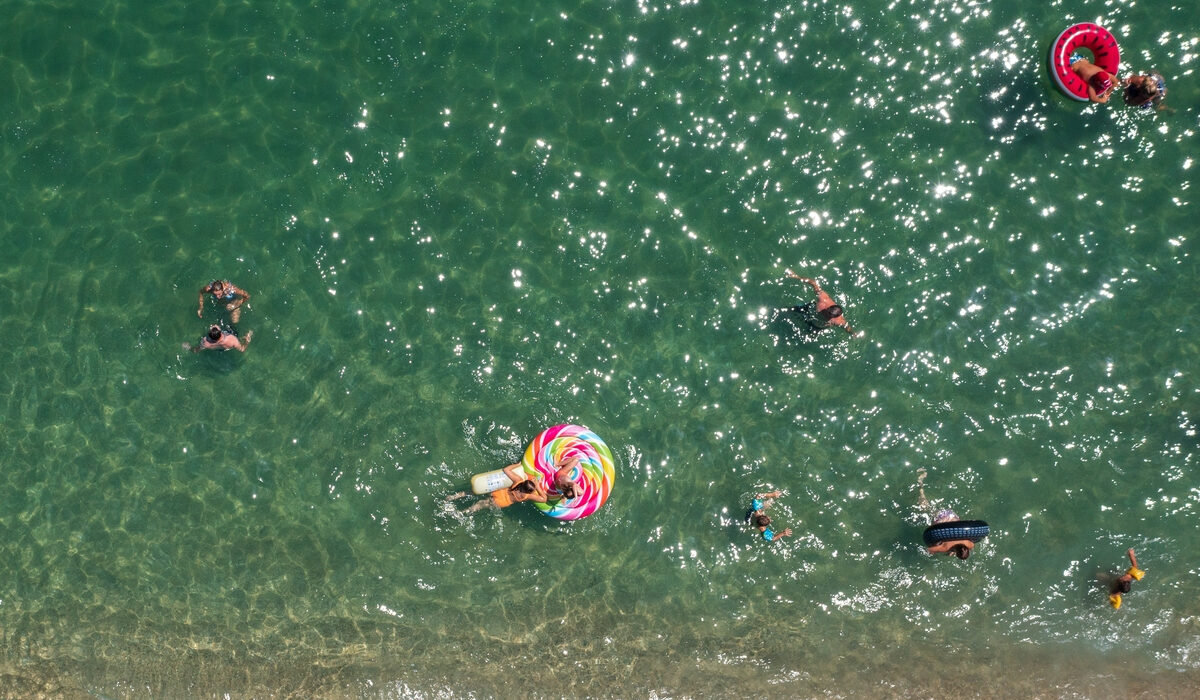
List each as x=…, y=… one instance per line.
x=460, y=223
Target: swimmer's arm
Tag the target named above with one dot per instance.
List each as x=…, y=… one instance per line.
x=807, y=280
x=840, y=322
x=781, y=535
x=1113, y=82
x=1132, y=557
x=513, y=473
x=768, y=498
x=539, y=495
x=200, y=301
x=243, y=295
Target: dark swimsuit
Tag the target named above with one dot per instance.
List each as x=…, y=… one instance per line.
x=809, y=313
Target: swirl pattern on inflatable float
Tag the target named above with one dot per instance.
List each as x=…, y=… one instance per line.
x=594, y=473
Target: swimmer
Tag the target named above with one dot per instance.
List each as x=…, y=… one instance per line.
x=959, y=548
x=1146, y=91
x=756, y=515
x=522, y=490
x=224, y=291
x=828, y=312
x=562, y=478
x=218, y=339
x=1123, y=583
x=1100, y=83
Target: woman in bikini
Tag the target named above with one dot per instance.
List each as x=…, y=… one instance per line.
x=522, y=489
x=562, y=478
x=224, y=292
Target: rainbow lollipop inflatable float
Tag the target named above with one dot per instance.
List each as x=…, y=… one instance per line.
x=594, y=473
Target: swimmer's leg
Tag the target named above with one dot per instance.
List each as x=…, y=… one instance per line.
x=482, y=504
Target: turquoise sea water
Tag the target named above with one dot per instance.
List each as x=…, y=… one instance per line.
x=463, y=222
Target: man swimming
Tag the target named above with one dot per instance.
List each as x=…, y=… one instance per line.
x=218, y=339
x=827, y=313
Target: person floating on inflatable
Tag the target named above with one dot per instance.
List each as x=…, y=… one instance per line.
x=522, y=489
x=563, y=481
x=1123, y=583
x=1100, y=83
x=1146, y=91
x=827, y=312
x=760, y=520
x=947, y=534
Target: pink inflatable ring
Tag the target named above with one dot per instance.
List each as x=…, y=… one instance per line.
x=1106, y=55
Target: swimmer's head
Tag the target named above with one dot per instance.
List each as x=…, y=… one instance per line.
x=830, y=312
x=217, y=286
x=1144, y=88
x=961, y=551
x=525, y=486
x=762, y=521
x=1122, y=585
x=214, y=333
x=569, y=491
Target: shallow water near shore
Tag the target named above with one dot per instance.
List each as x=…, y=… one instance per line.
x=463, y=223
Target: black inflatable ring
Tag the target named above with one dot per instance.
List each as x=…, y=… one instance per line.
x=973, y=530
